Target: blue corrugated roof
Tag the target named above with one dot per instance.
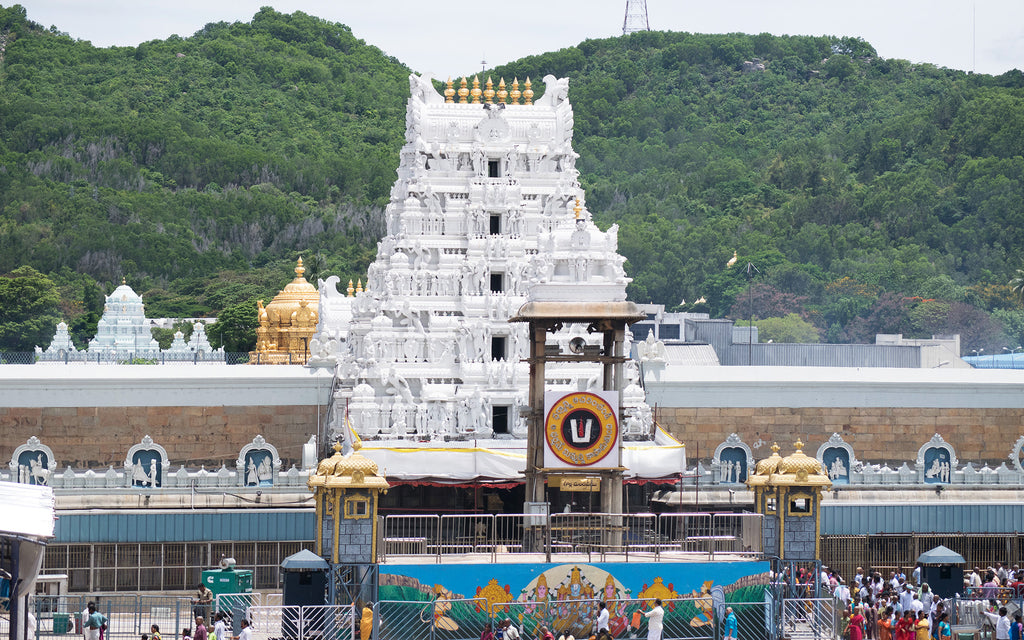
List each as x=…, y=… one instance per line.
x=186, y=526
x=299, y=524
x=860, y=519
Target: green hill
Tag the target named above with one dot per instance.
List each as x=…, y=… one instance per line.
x=871, y=195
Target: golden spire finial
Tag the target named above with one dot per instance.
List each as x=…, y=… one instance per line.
x=299, y=269
x=775, y=447
x=515, y=91
x=799, y=445
x=350, y=290
x=359, y=285
x=502, y=93
x=337, y=447
x=578, y=208
x=123, y=281
x=475, y=91
x=449, y=92
x=463, y=91
x=528, y=94
x=489, y=91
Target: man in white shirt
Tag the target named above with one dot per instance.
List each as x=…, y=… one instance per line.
x=246, y=632
x=511, y=632
x=976, y=578
x=654, y=621
x=906, y=599
x=916, y=605
x=1002, y=623
x=843, y=593
x=602, y=620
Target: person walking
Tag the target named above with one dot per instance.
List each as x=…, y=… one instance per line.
x=94, y=622
x=602, y=621
x=732, y=625
x=220, y=627
x=856, y=628
x=654, y=621
x=201, y=633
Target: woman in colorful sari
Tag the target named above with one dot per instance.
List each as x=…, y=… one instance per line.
x=885, y=624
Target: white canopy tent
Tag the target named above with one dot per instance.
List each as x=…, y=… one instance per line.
x=504, y=461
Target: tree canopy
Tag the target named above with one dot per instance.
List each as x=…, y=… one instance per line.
x=858, y=186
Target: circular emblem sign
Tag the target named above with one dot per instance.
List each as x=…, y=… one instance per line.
x=581, y=429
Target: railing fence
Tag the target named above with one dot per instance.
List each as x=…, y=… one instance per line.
x=644, y=536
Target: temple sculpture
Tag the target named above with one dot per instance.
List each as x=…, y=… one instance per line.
x=487, y=204
x=288, y=323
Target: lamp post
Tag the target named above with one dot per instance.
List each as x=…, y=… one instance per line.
x=751, y=270
x=977, y=353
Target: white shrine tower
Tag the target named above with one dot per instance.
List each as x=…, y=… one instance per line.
x=122, y=330
x=486, y=201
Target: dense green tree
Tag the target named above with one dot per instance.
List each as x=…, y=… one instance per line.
x=235, y=329
x=29, y=310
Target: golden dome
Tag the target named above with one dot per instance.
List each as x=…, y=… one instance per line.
x=290, y=299
x=798, y=461
x=354, y=471
x=769, y=465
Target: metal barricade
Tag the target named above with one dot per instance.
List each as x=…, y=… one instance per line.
x=809, y=618
x=312, y=622
x=234, y=605
x=527, y=617
x=412, y=535
x=268, y=621
x=170, y=614
x=511, y=534
x=464, y=533
x=688, y=534
x=641, y=536
x=273, y=599
x=327, y=622
x=737, y=533
x=396, y=620
x=128, y=616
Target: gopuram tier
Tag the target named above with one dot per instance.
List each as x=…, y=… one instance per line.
x=487, y=205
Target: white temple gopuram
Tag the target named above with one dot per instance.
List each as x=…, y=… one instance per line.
x=487, y=204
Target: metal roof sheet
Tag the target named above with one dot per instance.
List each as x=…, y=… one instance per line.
x=185, y=526
x=941, y=517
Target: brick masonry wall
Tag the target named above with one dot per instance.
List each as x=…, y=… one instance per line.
x=94, y=437
x=877, y=434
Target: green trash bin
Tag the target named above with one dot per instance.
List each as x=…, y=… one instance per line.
x=60, y=623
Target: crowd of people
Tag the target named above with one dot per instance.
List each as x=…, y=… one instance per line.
x=901, y=607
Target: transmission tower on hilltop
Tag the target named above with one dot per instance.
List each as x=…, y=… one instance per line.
x=636, y=17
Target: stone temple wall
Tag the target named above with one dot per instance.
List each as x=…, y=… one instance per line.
x=96, y=437
x=877, y=434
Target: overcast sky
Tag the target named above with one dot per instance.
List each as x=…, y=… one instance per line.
x=451, y=37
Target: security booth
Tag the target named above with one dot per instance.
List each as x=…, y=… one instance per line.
x=943, y=570
x=304, y=579
x=303, y=583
